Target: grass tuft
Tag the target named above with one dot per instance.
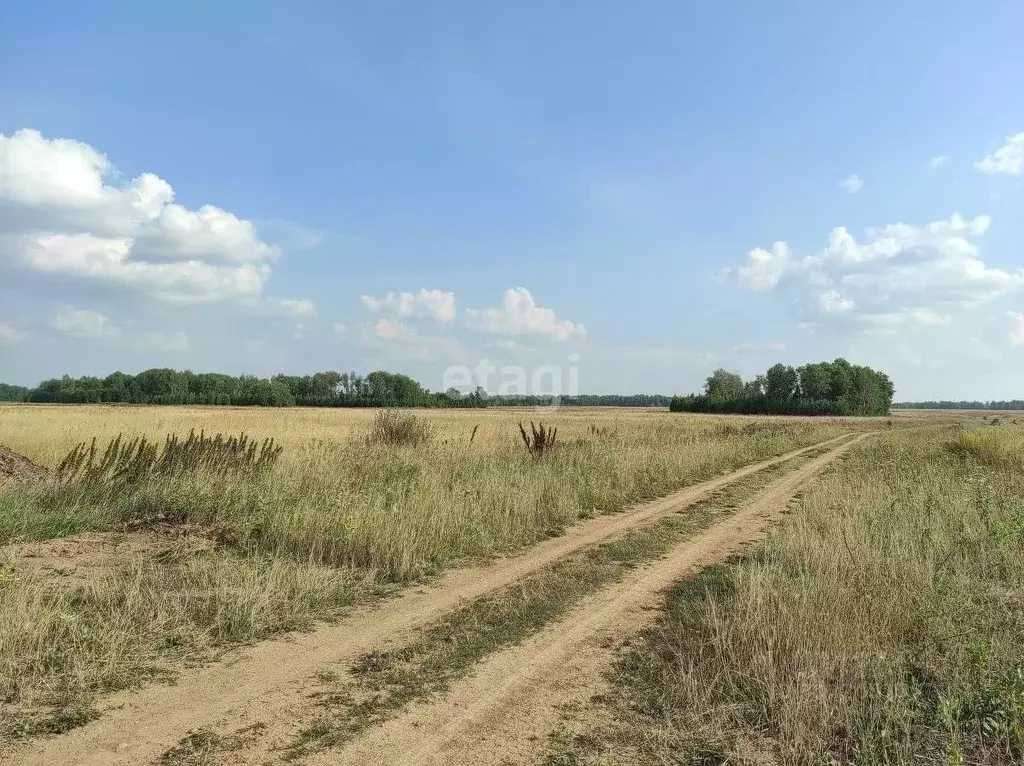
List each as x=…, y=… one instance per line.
x=540, y=441
x=400, y=429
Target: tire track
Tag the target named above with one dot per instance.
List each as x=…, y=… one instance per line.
x=504, y=712
x=273, y=677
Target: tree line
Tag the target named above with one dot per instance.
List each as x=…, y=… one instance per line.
x=322, y=389
x=166, y=386
x=9, y=393
x=824, y=388
x=579, y=400
x=1013, y=404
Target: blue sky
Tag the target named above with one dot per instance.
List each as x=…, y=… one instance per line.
x=529, y=182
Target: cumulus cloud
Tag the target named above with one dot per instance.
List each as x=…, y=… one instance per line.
x=937, y=162
x=83, y=323
x=425, y=304
x=831, y=302
x=1017, y=330
x=9, y=333
x=520, y=315
x=383, y=330
x=62, y=213
x=1008, y=159
x=393, y=331
x=852, y=184
x=898, y=275
x=763, y=268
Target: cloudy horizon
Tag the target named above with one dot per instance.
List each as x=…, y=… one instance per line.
x=281, y=202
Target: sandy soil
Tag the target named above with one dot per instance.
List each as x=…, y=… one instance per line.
x=15, y=467
x=93, y=555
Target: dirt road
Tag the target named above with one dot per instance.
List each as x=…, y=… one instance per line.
x=274, y=676
x=503, y=713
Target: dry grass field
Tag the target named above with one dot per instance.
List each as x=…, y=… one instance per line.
x=881, y=623
x=146, y=577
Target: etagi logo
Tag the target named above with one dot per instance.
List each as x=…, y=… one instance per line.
x=554, y=380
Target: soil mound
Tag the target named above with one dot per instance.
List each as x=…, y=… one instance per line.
x=18, y=468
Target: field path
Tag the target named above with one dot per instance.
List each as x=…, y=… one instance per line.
x=137, y=727
x=504, y=713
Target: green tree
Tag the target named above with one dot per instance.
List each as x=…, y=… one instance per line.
x=780, y=383
x=815, y=381
x=723, y=385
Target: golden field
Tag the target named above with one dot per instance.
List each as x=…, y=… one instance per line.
x=339, y=519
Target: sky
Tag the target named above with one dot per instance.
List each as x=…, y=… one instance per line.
x=632, y=194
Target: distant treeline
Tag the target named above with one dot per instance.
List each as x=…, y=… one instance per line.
x=825, y=388
x=322, y=389
x=1013, y=404
x=580, y=400
x=164, y=386
x=9, y=393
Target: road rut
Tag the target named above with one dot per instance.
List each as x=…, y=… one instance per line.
x=137, y=727
x=504, y=712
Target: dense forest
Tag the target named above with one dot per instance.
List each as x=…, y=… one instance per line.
x=825, y=388
x=323, y=389
x=164, y=386
x=9, y=393
x=1013, y=404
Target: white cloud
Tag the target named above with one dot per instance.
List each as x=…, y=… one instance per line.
x=937, y=162
x=899, y=275
x=520, y=315
x=343, y=330
x=1008, y=159
x=34, y=171
x=383, y=330
x=9, y=334
x=113, y=260
x=852, y=184
x=288, y=307
x=929, y=317
x=831, y=302
x=61, y=213
x=426, y=304
x=397, y=339
x=1017, y=330
x=763, y=269
x=393, y=331
x=83, y=323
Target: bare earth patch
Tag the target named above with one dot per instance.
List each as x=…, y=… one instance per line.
x=18, y=468
x=94, y=555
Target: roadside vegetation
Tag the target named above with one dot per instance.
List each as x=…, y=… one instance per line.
x=384, y=682
x=882, y=624
x=351, y=505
